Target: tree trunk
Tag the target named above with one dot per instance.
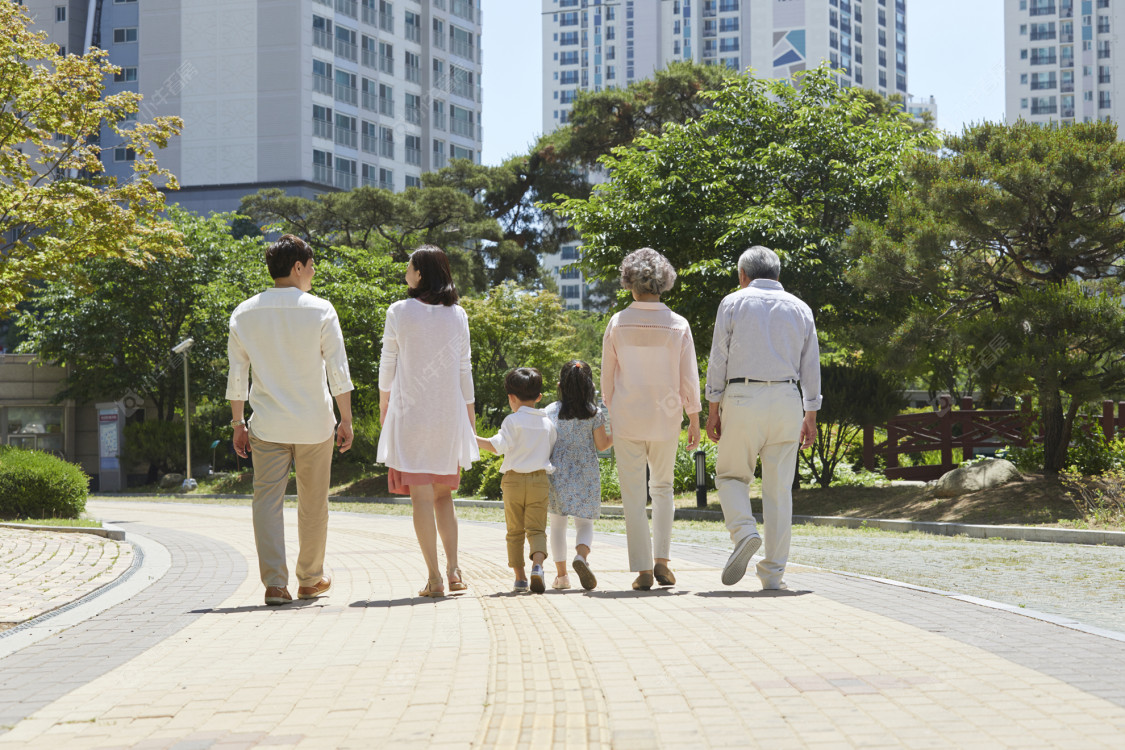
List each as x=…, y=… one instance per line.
x=1055, y=432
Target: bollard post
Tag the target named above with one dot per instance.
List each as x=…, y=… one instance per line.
x=700, y=478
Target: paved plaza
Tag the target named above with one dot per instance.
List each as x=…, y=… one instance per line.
x=192, y=659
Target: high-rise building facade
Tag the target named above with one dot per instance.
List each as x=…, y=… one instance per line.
x=1060, y=60
x=590, y=45
x=306, y=95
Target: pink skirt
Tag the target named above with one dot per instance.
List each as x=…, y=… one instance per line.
x=399, y=482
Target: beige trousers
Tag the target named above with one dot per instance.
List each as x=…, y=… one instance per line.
x=760, y=420
x=271, y=474
x=525, y=513
x=660, y=457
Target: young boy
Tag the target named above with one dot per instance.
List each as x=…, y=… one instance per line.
x=525, y=440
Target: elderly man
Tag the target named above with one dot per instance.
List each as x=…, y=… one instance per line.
x=290, y=340
x=764, y=343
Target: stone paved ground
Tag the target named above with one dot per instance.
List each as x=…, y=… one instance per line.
x=43, y=570
x=1086, y=583
x=195, y=660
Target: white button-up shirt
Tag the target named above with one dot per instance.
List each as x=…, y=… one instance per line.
x=289, y=339
x=525, y=440
x=763, y=332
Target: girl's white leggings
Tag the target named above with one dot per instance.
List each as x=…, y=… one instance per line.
x=583, y=526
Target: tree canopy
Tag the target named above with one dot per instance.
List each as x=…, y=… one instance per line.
x=56, y=207
x=766, y=163
x=1009, y=246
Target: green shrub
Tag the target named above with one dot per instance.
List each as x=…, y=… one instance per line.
x=490, y=480
x=472, y=477
x=34, y=484
x=160, y=446
x=611, y=487
x=1090, y=454
x=365, y=443
x=684, y=473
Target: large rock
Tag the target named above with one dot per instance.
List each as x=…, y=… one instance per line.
x=168, y=481
x=975, y=477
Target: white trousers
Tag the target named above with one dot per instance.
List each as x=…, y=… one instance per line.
x=660, y=457
x=760, y=420
x=584, y=530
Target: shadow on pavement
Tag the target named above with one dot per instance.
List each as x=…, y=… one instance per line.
x=771, y=594
x=629, y=594
x=288, y=607
x=405, y=602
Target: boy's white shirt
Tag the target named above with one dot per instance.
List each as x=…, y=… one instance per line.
x=525, y=440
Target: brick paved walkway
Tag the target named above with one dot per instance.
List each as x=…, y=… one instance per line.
x=43, y=570
x=195, y=661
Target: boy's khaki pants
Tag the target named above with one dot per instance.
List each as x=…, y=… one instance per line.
x=271, y=474
x=525, y=512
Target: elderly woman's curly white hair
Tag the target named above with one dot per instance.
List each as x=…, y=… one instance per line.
x=646, y=271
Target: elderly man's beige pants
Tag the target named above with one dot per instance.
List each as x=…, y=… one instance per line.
x=271, y=474
x=760, y=420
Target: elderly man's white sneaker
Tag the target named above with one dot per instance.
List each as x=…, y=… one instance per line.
x=739, y=559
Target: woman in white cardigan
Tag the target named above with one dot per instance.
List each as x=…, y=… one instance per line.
x=426, y=407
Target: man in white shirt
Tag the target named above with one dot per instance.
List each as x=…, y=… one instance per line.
x=764, y=343
x=290, y=339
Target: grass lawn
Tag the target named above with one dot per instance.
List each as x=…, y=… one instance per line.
x=75, y=522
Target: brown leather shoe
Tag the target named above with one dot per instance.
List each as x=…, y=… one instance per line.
x=664, y=575
x=277, y=595
x=312, y=592
x=643, y=582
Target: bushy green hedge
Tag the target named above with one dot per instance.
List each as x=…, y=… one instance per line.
x=483, y=477
x=34, y=484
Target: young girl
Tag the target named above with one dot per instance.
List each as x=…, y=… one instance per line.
x=576, y=487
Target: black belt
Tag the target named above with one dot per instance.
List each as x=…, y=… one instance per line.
x=767, y=382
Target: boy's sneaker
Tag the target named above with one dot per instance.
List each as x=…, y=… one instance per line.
x=585, y=575
x=519, y=587
x=537, y=585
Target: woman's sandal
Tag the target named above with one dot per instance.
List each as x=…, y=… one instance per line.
x=433, y=589
x=456, y=585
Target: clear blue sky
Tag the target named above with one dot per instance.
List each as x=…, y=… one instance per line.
x=955, y=52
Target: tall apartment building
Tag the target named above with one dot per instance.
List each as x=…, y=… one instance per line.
x=590, y=45
x=306, y=95
x=1060, y=60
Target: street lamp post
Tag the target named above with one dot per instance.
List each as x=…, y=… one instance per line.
x=182, y=349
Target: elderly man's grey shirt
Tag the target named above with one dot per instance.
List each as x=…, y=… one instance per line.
x=763, y=332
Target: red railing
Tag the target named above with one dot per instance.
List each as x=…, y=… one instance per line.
x=966, y=428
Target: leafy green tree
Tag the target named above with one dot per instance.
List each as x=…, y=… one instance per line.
x=768, y=163
x=117, y=333
x=1010, y=245
x=513, y=327
x=854, y=396
x=58, y=210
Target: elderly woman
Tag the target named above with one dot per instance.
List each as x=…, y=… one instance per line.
x=426, y=407
x=649, y=379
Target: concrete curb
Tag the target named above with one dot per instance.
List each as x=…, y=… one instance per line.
x=116, y=535
x=977, y=531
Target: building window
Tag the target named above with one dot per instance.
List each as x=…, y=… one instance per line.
x=413, y=181
x=35, y=428
x=60, y=13
x=125, y=75
x=322, y=122
x=568, y=39
x=124, y=154
x=125, y=35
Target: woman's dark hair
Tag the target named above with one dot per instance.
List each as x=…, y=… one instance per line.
x=435, y=287
x=576, y=391
x=282, y=255
x=525, y=383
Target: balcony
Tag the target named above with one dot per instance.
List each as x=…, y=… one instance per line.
x=387, y=64
x=345, y=180
x=386, y=185
x=1067, y=112
x=346, y=94
x=1103, y=53
x=1103, y=26
x=438, y=160
x=413, y=33
x=386, y=106
x=462, y=49
x=1044, y=109
x=370, y=58
x=1067, y=87
x=1104, y=77
x=1041, y=35
x=347, y=50
x=322, y=39
x=414, y=156
x=322, y=174
x=1042, y=10
x=347, y=7
x=370, y=16
x=346, y=137
x=370, y=101
x=413, y=74
x=462, y=9
x=370, y=144
x=438, y=121
x=1066, y=37
x=1066, y=61
x=1043, y=59
x=387, y=22
x=414, y=115
x=322, y=129
x=462, y=127
x=461, y=89
x=1038, y=85
x=387, y=149
x=322, y=84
